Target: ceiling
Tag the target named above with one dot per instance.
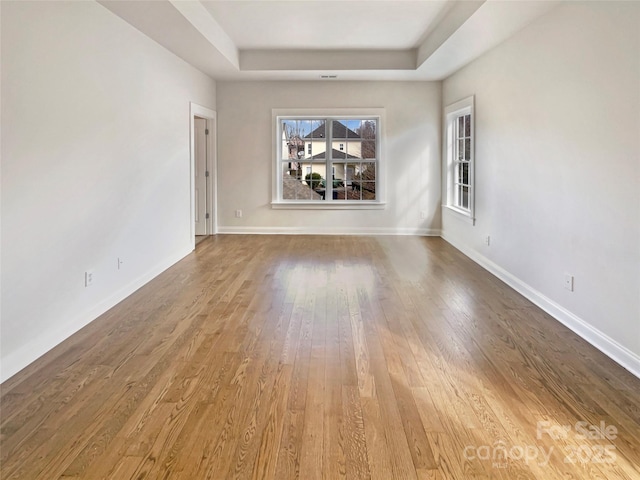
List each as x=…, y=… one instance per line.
x=347, y=40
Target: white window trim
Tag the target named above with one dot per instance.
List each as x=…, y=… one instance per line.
x=335, y=114
x=451, y=113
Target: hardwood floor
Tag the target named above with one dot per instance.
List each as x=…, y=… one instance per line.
x=281, y=357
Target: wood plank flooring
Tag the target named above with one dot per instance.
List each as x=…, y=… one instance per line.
x=315, y=357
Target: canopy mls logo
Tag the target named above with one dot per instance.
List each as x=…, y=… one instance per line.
x=500, y=454
x=582, y=443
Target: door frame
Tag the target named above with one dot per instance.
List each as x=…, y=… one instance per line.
x=210, y=116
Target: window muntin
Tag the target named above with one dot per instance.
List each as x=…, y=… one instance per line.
x=460, y=157
x=347, y=147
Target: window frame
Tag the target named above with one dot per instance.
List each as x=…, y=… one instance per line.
x=376, y=114
x=452, y=113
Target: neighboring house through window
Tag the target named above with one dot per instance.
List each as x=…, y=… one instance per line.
x=346, y=147
x=460, y=158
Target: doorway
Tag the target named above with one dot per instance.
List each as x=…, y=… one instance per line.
x=203, y=173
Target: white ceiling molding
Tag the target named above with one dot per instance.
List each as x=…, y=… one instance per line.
x=210, y=29
x=455, y=17
x=303, y=39
x=490, y=25
x=160, y=21
x=292, y=60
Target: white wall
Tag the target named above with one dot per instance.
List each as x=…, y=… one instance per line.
x=412, y=146
x=95, y=166
x=558, y=168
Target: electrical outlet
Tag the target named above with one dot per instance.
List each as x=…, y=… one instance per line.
x=568, y=282
x=88, y=278
x=423, y=214
x=238, y=213
x=120, y=262
x=487, y=240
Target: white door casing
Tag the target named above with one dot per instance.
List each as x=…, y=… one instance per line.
x=198, y=111
x=200, y=184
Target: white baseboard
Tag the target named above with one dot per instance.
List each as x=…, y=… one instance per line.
x=36, y=347
x=618, y=353
x=329, y=231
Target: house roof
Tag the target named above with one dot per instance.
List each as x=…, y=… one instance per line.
x=294, y=189
x=339, y=130
x=335, y=154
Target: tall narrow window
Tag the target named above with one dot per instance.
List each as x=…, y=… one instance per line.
x=460, y=159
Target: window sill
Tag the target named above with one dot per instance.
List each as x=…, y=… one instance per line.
x=325, y=205
x=460, y=214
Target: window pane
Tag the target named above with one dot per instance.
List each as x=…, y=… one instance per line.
x=354, y=149
x=467, y=149
x=316, y=150
x=298, y=152
x=339, y=129
x=338, y=154
x=465, y=198
x=368, y=130
x=293, y=169
x=356, y=181
x=350, y=170
x=318, y=129
x=467, y=125
x=313, y=175
x=339, y=174
x=363, y=183
x=368, y=149
x=460, y=132
x=353, y=128
x=459, y=173
x=465, y=173
x=292, y=140
x=368, y=191
x=340, y=193
x=285, y=151
x=294, y=186
x=460, y=149
x=301, y=128
x=339, y=185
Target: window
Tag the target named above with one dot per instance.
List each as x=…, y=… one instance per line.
x=341, y=161
x=460, y=157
